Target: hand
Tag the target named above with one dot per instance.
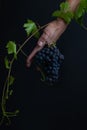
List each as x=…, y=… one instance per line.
x=50, y=35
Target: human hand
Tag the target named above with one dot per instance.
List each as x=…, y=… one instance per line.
x=50, y=35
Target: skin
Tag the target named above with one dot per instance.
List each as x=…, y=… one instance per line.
x=52, y=32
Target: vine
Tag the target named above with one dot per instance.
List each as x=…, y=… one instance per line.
x=32, y=30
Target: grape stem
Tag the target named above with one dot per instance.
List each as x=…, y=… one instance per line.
x=5, y=95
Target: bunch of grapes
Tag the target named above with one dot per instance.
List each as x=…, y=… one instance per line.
x=48, y=62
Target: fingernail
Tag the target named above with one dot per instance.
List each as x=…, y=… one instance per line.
x=40, y=43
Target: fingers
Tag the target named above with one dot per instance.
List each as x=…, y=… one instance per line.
x=30, y=57
x=33, y=53
x=44, y=39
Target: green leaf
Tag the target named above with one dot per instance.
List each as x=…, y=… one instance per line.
x=64, y=12
x=64, y=6
x=30, y=28
x=10, y=92
x=15, y=56
x=67, y=16
x=7, y=64
x=11, y=80
x=11, y=47
x=80, y=12
x=56, y=13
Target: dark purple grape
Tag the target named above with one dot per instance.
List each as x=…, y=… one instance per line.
x=49, y=60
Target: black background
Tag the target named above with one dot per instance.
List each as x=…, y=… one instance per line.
x=63, y=106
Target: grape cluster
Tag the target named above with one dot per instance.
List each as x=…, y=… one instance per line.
x=48, y=62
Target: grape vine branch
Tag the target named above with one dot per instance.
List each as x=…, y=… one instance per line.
x=10, y=79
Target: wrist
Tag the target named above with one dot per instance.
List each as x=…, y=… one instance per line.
x=64, y=13
x=61, y=25
x=62, y=21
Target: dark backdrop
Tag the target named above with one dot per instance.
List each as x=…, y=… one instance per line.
x=41, y=107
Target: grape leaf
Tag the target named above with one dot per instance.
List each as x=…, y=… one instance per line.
x=64, y=12
x=11, y=80
x=64, y=6
x=11, y=47
x=30, y=28
x=7, y=64
x=15, y=56
x=10, y=92
x=80, y=12
x=67, y=16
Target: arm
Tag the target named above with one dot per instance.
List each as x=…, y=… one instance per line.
x=73, y=4
x=52, y=32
